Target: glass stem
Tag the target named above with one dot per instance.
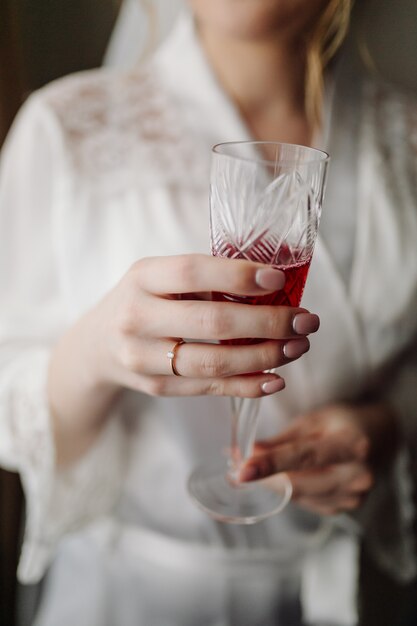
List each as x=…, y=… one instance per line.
x=244, y=422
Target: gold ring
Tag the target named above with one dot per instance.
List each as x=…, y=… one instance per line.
x=171, y=356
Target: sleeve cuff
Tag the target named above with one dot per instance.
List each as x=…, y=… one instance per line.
x=58, y=502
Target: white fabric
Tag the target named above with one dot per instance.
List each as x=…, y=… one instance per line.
x=136, y=30
x=103, y=168
x=129, y=36
x=323, y=573
x=156, y=581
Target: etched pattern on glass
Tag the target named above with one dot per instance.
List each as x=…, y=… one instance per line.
x=252, y=216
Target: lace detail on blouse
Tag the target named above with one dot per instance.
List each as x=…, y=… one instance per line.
x=119, y=126
x=27, y=441
x=73, y=498
x=27, y=415
x=396, y=113
x=388, y=179
x=56, y=502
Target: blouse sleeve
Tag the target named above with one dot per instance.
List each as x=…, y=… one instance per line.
x=402, y=396
x=388, y=515
x=32, y=315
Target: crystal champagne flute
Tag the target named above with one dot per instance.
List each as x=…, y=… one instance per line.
x=264, y=209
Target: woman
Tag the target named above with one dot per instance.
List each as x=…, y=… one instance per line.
x=104, y=182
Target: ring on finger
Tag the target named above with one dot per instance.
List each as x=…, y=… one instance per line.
x=171, y=354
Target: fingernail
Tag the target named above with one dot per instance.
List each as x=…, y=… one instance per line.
x=295, y=348
x=305, y=323
x=249, y=473
x=270, y=278
x=272, y=386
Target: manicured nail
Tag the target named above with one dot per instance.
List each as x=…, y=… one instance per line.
x=249, y=473
x=270, y=279
x=272, y=386
x=305, y=323
x=296, y=347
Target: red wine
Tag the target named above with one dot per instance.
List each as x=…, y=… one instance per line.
x=290, y=295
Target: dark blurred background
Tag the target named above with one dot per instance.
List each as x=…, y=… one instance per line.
x=44, y=39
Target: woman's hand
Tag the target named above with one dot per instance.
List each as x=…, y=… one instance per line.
x=330, y=455
x=148, y=311
x=124, y=341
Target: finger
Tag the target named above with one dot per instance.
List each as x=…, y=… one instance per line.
x=199, y=360
x=319, y=433
x=216, y=321
x=306, y=454
x=295, y=431
x=315, y=425
x=330, y=508
x=203, y=360
x=198, y=273
x=331, y=490
x=347, y=480
x=254, y=386
x=336, y=421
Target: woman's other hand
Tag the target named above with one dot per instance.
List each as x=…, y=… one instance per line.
x=330, y=455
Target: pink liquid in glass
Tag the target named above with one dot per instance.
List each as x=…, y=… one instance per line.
x=290, y=295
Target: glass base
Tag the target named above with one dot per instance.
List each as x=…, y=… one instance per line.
x=247, y=503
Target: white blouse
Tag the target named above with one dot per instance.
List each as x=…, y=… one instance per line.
x=105, y=167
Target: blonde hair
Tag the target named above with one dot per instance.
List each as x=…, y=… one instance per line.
x=326, y=38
